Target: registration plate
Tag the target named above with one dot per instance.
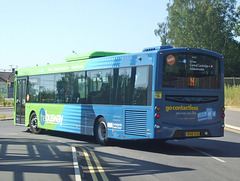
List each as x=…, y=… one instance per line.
x=192, y=134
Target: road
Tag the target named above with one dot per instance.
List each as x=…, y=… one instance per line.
x=25, y=156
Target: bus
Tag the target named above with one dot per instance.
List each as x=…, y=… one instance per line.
x=160, y=93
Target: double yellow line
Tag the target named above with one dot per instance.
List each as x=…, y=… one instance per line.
x=91, y=160
x=231, y=128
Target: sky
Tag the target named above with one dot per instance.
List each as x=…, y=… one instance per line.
x=38, y=32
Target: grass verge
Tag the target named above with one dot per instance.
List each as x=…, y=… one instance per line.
x=232, y=96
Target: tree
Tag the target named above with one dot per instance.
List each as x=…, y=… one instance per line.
x=232, y=59
x=237, y=27
x=162, y=32
x=207, y=24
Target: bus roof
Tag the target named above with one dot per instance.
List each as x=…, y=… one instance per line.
x=90, y=55
x=73, y=63
x=96, y=60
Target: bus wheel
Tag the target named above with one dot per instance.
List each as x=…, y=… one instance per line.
x=100, y=131
x=33, y=124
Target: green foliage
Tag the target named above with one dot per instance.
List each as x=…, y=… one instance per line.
x=162, y=32
x=3, y=116
x=237, y=27
x=232, y=95
x=4, y=103
x=1, y=97
x=207, y=24
x=9, y=103
x=232, y=59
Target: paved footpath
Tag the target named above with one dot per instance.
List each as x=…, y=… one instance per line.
x=7, y=111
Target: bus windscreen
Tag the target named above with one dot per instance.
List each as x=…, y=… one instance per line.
x=191, y=70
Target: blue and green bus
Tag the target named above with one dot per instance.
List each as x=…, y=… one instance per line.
x=160, y=93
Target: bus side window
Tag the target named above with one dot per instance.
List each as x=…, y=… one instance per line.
x=99, y=84
x=124, y=93
x=47, y=88
x=33, y=87
x=141, y=86
x=81, y=82
x=61, y=83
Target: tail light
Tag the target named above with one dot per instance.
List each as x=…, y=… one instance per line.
x=157, y=115
x=223, y=114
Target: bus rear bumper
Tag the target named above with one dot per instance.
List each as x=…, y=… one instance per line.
x=181, y=132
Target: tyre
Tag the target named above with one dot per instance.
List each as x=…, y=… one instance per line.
x=33, y=124
x=100, y=131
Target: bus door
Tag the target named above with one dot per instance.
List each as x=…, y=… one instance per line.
x=21, y=100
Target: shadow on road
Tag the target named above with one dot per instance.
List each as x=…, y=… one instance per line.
x=41, y=159
x=122, y=165
x=219, y=147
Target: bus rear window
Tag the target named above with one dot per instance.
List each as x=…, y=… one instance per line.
x=191, y=70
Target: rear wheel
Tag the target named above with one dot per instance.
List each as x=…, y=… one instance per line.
x=100, y=131
x=33, y=124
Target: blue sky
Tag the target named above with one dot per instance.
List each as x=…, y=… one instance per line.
x=46, y=31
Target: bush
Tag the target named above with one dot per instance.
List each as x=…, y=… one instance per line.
x=232, y=95
x=1, y=97
x=8, y=103
x=3, y=116
x=4, y=103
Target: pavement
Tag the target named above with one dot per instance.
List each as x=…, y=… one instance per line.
x=7, y=111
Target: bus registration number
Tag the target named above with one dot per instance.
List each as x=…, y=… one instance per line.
x=190, y=134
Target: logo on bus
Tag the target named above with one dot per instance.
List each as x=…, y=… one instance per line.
x=171, y=60
x=44, y=117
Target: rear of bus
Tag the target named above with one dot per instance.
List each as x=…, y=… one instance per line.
x=189, y=94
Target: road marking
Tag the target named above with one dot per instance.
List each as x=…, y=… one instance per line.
x=90, y=167
x=231, y=128
x=52, y=151
x=74, y=157
x=75, y=164
x=88, y=153
x=36, y=152
x=204, y=153
x=99, y=167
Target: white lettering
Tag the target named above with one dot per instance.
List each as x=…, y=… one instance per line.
x=54, y=119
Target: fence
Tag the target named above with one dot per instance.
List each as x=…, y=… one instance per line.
x=231, y=81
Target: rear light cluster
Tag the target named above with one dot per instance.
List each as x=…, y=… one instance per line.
x=157, y=109
x=223, y=114
x=157, y=115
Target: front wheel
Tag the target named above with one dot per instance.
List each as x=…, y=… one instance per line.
x=33, y=124
x=100, y=131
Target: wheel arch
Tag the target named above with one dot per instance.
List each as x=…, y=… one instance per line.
x=32, y=111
